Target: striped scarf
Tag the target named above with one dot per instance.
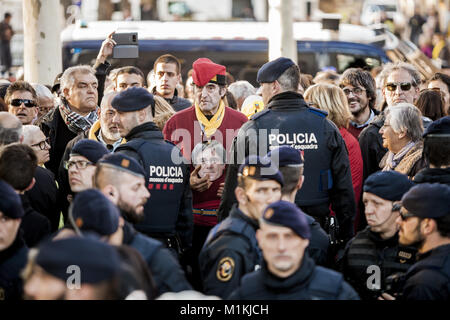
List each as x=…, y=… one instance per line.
x=74, y=121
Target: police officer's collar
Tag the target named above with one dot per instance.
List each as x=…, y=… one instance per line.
x=237, y=213
x=144, y=128
x=298, y=279
x=285, y=98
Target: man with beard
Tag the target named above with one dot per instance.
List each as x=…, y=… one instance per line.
x=122, y=180
x=436, y=149
x=425, y=223
x=360, y=89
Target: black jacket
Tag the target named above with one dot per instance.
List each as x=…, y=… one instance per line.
x=433, y=175
x=429, y=278
x=327, y=166
x=12, y=261
x=177, y=103
x=35, y=226
x=309, y=282
x=168, y=212
x=228, y=254
x=43, y=196
x=318, y=243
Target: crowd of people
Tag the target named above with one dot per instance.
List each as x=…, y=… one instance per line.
x=114, y=185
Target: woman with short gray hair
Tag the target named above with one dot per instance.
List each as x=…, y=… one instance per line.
x=402, y=135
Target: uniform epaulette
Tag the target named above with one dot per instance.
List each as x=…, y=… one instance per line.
x=319, y=112
x=259, y=114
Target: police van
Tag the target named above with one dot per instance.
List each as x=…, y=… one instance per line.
x=241, y=46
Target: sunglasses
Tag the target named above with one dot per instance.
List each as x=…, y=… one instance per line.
x=405, y=215
x=27, y=102
x=405, y=86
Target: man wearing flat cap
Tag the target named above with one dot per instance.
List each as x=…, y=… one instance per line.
x=425, y=224
x=230, y=250
x=121, y=179
x=436, y=150
x=377, y=245
x=288, y=120
x=13, y=251
x=168, y=212
x=288, y=273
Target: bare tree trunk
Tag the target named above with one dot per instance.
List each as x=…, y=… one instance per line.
x=281, y=36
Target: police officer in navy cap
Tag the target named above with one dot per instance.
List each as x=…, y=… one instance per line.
x=230, y=250
x=93, y=263
x=121, y=179
x=436, y=150
x=168, y=213
x=13, y=251
x=291, y=165
x=288, y=120
x=288, y=273
x=425, y=223
x=378, y=243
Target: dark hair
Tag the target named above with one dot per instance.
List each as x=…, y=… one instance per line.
x=3, y=105
x=437, y=150
x=306, y=80
x=231, y=100
x=129, y=70
x=291, y=175
x=443, y=226
x=431, y=104
x=168, y=58
x=442, y=77
x=7, y=15
x=358, y=77
x=19, y=86
x=18, y=163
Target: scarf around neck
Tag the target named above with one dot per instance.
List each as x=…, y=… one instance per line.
x=210, y=126
x=394, y=159
x=74, y=121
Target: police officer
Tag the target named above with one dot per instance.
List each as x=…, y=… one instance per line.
x=377, y=245
x=168, y=213
x=289, y=121
x=13, y=251
x=291, y=167
x=425, y=223
x=121, y=179
x=288, y=273
x=230, y=251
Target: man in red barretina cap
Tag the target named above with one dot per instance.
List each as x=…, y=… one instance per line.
x=204, y=133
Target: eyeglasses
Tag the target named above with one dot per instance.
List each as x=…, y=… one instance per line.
x=396, y=206
x=405, y=86
x=81, y=164
x=42, y=144
x=356, y=91
x=405, y=215
x=27, y=102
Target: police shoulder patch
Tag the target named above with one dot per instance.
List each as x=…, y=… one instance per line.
x=225, y=269
x=259, y=114
x=319, y=112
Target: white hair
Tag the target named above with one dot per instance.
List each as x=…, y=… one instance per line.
x=405, y=117
x=241, y=89
x=42, y=91
x=67, y=79
x=29, y=131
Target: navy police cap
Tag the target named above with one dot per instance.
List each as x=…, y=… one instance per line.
x=287, y=156
x=440, y=126
x=90, y=149
x=260, y=169
x=287, y=214
x=428, y=200
x=10, y=202
x=389, y=185
x=133, y=99
x=272, y=70
x=122, y=162
x=98, y=261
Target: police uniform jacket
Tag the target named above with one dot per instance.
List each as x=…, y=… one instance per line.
x=433, y=175
x=290, y=121
x=12, y=261
x=429, y=278
x=165, y=270
x=319, y=243
x=168, y=211
x=366, y=249
x=309, y=282
x=229, y=252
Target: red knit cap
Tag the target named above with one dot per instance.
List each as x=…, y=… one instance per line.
x=207, y=71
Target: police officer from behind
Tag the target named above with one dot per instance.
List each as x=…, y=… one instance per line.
x=425, y=223
x=230, y=251
x=291, y=167
x=288, y=120
x=288, y=273
x=377, y=245
x=13, y=251
x=168, y=212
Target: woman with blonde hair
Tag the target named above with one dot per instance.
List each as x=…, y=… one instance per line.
x=163, y=111
x=332, y=99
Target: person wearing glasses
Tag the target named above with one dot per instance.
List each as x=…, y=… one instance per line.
x=377, y=245
x=21, y=99
x=425, y=224
x=81, y=164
